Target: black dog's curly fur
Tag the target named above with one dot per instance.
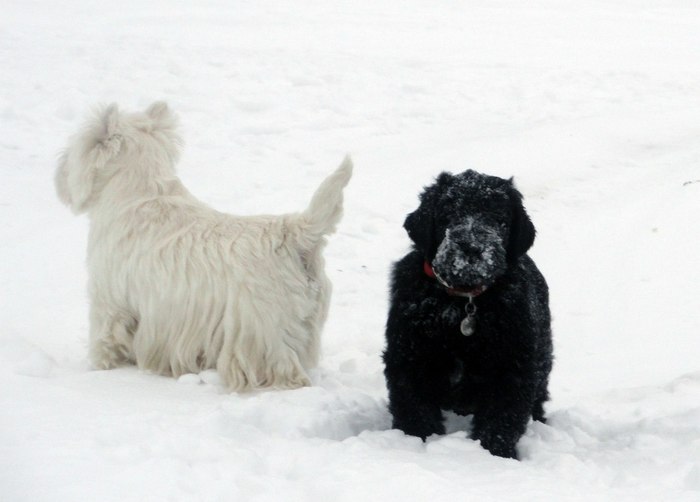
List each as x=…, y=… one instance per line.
x=473, y=232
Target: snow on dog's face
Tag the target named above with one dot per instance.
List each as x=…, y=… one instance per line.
x=145, y=143
x=470, y=227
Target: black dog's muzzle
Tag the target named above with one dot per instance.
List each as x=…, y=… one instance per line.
x=470, y=257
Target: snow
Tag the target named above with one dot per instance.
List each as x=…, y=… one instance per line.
x=592, y=106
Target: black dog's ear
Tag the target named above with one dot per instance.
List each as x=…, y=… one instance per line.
x=522, y=231
x=420, y=224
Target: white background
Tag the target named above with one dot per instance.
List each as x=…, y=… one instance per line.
x=593, y=106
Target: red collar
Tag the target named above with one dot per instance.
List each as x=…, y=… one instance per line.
x=428, y=270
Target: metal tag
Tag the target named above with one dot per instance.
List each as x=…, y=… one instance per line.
x=467, y=326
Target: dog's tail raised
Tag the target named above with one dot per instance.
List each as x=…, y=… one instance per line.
x=326, y=207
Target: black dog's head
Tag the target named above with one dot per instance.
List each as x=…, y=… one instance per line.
x=470, y=227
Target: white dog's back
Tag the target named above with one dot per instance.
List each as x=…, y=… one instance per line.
x=178, y=287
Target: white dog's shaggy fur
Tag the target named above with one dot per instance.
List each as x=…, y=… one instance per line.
x=177, y=287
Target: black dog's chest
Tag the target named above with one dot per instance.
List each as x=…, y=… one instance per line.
x=460, y=319
x=463, y=388
x=436, y=320
x=469, y=358
x=452, y=315
x=457, y=374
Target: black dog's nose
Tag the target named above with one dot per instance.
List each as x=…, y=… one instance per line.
x=473, y=250
x=473, y=258
x=473, y=254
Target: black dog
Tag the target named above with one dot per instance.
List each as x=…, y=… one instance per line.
x=469, y=323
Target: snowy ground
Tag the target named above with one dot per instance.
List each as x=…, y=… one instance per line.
x=594, y=107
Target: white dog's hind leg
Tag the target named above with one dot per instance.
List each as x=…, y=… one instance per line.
x=229, y=364
x=281, y=343
x=284, y=371
x=229, y=368
x=111, y=338
x=260, y=354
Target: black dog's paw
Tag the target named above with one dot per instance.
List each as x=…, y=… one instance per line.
x=419, y=428
x=499, y=444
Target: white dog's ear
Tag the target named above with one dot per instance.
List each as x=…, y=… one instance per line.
x=164, y=126
x=61, y=180
x=80, y=164
x=161, y=115
x=157, y=110
x=110, y=121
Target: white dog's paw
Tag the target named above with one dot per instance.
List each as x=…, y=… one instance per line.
x=294, y=384
x=234, y=377
x=295, y=379
x=300, y=380
x=105, y=357
x=101, y=363
x=287, y=378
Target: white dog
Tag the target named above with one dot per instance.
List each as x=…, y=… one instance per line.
x=177, y=287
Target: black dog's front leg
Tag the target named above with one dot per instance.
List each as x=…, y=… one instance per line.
x=501, y=423
x=413, y=403
x=415, y=362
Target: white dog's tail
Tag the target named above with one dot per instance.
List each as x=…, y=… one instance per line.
x=326, y=207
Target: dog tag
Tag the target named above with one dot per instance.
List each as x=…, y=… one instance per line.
x=467, y=326
x=469, y=323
